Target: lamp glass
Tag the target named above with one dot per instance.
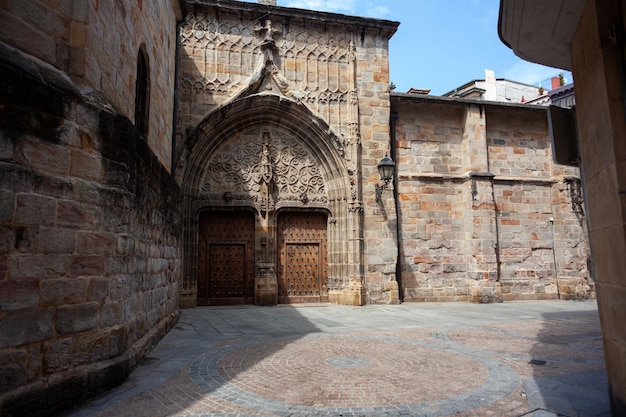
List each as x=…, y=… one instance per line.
x=386, y=166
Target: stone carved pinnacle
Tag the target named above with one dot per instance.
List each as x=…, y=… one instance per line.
x=269, y=42
x=266, y=160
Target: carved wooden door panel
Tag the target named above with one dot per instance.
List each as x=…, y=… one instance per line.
x=226, y=258
x=302, y=264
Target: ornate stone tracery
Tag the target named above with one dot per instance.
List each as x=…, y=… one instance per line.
x=264, y=172
x=310, y=64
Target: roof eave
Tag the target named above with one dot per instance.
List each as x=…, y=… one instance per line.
x=540, y=31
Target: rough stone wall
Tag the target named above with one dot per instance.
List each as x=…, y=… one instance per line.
x=96, y=43
x=89, y=237
x=485, y=213
x=41, y=28
x=542, y=231
x=110, y=38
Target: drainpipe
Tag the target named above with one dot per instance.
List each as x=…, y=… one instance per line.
x=556, y=265
x=392, y=151
x=495, y=208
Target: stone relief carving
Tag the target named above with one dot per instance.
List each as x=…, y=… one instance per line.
x=308, y=64
x=266, y=172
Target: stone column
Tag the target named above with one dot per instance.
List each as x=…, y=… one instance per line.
x=265, y=279
x=482, y=228
x=189, y=284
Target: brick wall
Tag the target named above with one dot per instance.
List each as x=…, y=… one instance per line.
x=89, y=237
x=485, y=213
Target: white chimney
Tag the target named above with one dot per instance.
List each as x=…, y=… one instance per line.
x=490, y=86
x=268, y=2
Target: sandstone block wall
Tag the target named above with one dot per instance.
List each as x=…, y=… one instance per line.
x=89, y=238
x=380, y=228
x=96, y=43
x=485, y=213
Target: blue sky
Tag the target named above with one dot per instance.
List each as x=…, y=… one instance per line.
x=440, y=44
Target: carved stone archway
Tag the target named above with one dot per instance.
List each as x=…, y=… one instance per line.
x=267, y=153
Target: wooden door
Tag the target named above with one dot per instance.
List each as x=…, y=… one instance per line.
x=226, y=258
x=302, y=265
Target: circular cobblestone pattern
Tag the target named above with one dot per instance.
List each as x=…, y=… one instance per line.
x=339, y=374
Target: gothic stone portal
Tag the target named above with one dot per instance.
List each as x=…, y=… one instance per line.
x=263, y=234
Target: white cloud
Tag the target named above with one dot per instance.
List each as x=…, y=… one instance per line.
x=340, y=6
x=378, y=12
x=529, y=73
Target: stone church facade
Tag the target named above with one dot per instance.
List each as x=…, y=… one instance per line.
x=275, y=110
x=217, y=152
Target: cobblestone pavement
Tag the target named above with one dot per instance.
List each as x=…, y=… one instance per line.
x=537, y=359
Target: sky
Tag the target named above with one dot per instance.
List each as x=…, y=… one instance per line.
x=440, y=44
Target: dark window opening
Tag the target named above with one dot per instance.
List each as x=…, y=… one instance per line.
x=142, y=93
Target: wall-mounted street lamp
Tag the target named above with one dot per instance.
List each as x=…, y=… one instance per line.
x=386, y=167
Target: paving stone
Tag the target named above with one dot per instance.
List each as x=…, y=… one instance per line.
x=407, y=360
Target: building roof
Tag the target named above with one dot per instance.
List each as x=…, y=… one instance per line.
x=413, y=90
x=420, y=98
x=386, y=27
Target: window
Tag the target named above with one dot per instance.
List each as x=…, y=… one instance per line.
x=142, y=93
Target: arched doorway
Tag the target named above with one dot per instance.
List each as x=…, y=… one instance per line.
x=262, y=154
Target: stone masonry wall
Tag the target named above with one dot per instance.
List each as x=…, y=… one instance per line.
x=380, y=217
x=96, y=43
x=89, y=238
x=542, y=232
x=486, y=215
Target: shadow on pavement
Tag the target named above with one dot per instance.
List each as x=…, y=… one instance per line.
x=229, y=340
x=568, y=372
x=539, y=359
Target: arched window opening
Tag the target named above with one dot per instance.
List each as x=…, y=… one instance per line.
x=142, y=93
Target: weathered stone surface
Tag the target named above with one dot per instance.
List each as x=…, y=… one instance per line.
x=12, y=369
x=74, y=214
x=81, y=265
x=74, y=319
x=57, y=240
x=36, y=266
x=35, y=210
x=16, y=295
x=56, y=292
x=7, y=206
x=75, y=174
x=25, y=326
x=97, y=289
x=91, y=348
x=111, y=314
x=480, y=204
x=58, y=355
